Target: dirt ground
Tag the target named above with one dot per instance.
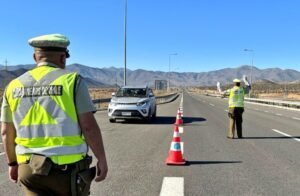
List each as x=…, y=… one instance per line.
x=102, y=93
x=281, y=96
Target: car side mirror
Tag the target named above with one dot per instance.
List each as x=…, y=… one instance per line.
x=113, y=94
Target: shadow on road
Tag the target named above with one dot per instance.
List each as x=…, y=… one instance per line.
x=172, y=120
x=281, y=137
x=164, y=120
x=187, y=120
x=188, y=163
x=158, y=120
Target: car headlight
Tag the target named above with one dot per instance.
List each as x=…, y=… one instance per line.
x=112, y=104
x=142, y=103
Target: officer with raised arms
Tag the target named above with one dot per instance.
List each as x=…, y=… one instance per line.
x=236, y=105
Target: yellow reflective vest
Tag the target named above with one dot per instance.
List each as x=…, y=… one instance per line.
x=44, y=115
x=236, y=97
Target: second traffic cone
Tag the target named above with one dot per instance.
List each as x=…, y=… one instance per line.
x=175, y=153
x=179, y=120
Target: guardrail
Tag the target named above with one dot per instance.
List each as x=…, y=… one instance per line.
x=166, y=98
x=159, y=99
x=106, y=100
x=288, y=104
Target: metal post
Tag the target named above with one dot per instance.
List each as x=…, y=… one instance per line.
x=170, y=70
x=169, y=73
x=251, y=66
x=125, y=46
x=6, y=64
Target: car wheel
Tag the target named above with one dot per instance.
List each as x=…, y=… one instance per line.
x=112, y=120
x=149, y=117
x=154, y=114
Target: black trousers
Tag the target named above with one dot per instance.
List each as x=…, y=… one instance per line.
x=235, y=121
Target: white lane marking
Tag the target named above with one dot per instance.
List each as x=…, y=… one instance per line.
x=2, y=153
x=285, y=134
x=278, y=114
x=295, y=118
x=172, y=186
x=181, y=130
x=211, y=104
x=181, y=146
x=266, y=111
x=226, y=110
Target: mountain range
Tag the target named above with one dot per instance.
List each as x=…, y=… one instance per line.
x=108, y=77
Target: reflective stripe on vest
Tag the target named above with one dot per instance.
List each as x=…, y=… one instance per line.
x=236, y=97
x=42, y=102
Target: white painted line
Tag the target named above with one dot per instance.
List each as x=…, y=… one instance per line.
x=2, y=153
x=285, y=134
x=1, y=143
x=278, y=114
x=295, y=118
x=172, y=186
x=266, y=111
x=226, y=110
x=211, y=104
x=181, y=146
x=181, y=130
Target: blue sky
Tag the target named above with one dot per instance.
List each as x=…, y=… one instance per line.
x=206, y=34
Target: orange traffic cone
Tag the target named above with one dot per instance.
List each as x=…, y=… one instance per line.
x=175, y=154
x=179, y=120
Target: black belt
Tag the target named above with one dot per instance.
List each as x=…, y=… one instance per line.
x=82, y=164
x=63, y=167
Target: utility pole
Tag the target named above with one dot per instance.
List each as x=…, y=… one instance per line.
x=170, y=69
x=125, y=42
x=5, y=64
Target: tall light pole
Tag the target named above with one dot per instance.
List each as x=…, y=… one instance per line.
x=6, y=64
x=125, y=42
x=170, y=69
x=252, y=57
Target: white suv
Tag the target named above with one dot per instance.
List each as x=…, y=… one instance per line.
x=132, y=103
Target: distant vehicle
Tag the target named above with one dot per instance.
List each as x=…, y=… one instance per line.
x=132, y=103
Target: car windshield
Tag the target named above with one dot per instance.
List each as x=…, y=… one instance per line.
x=131, y=92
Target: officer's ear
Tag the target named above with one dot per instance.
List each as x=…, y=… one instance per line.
x=62, y=59
x=34, y=57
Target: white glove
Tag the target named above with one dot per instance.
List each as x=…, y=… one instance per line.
x=246, y=80
x=219, y=87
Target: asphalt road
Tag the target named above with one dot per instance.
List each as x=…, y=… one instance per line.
x=265, y=162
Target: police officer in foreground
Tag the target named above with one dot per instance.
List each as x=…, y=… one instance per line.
x=48, y=125
x=236, y=106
